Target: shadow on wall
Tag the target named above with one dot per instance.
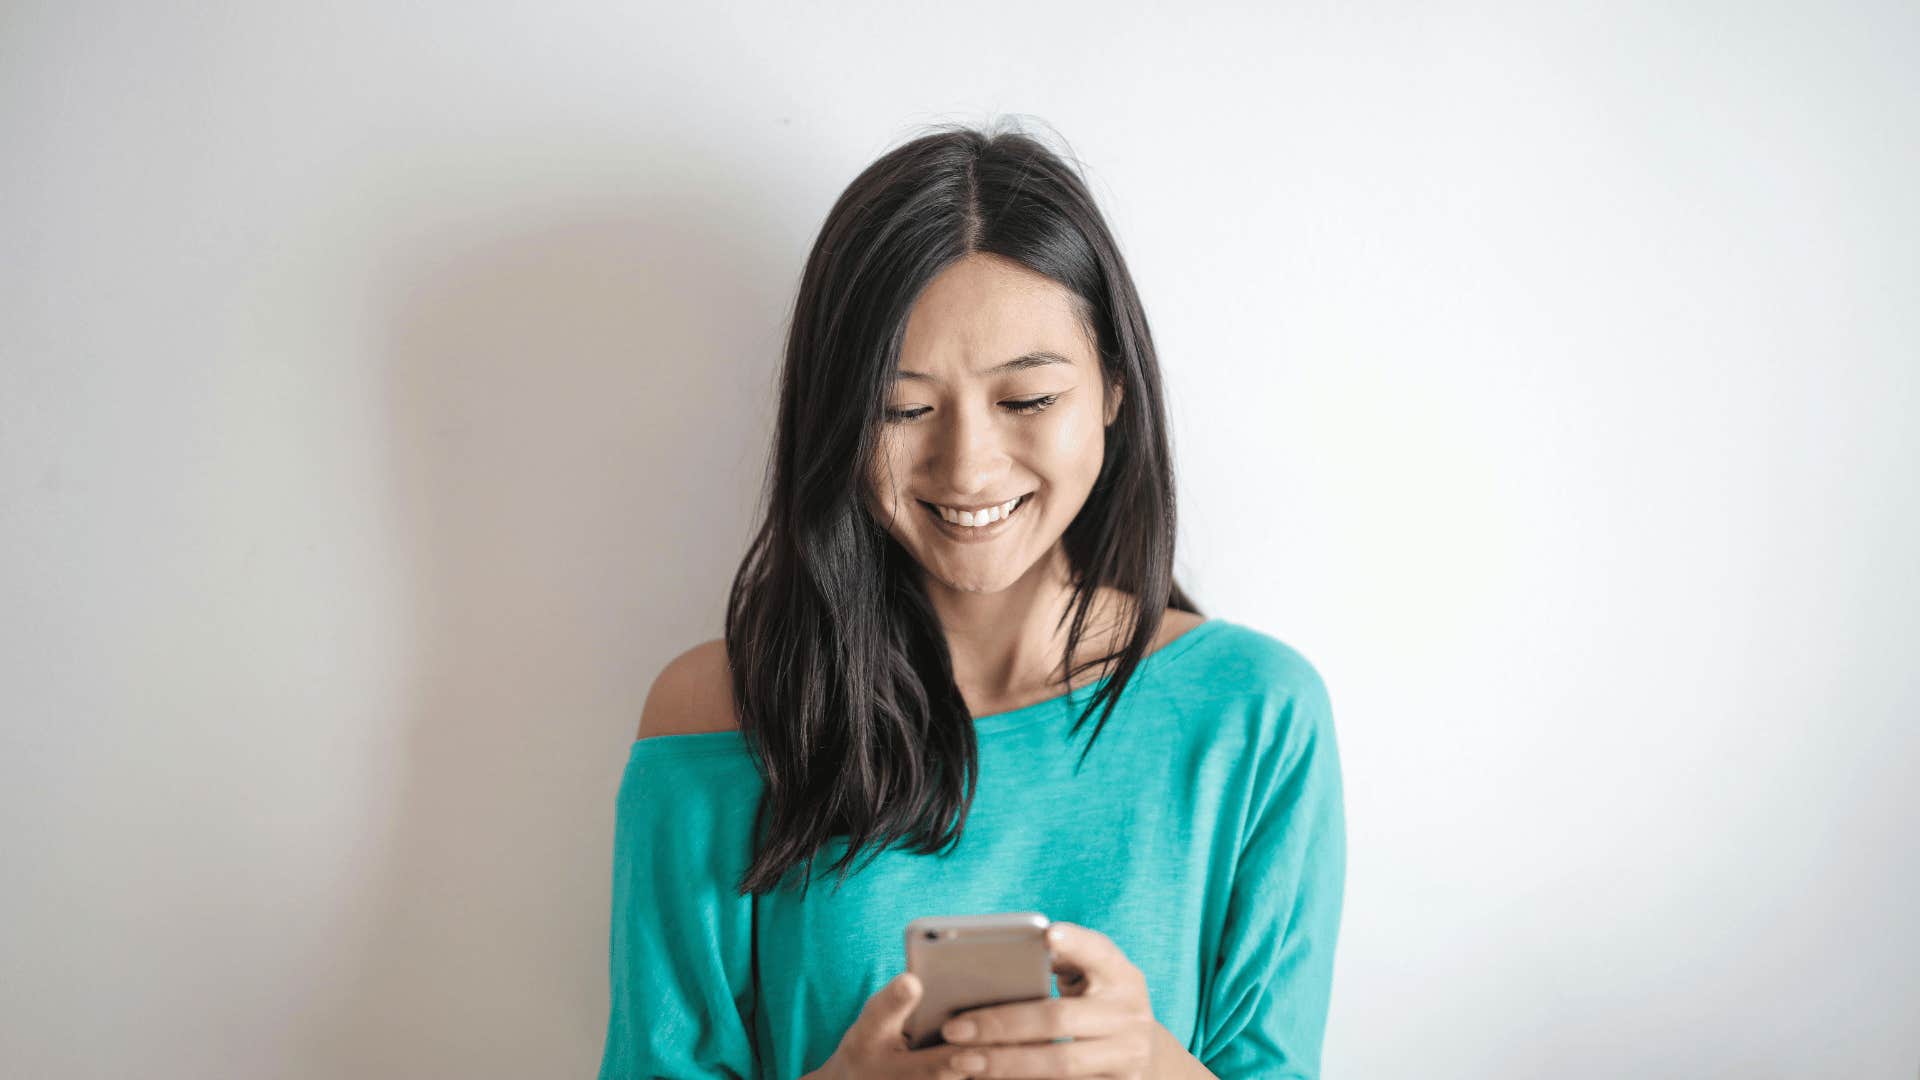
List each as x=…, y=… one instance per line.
x=579, y=418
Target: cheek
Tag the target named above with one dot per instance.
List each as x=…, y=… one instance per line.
x=1075, y=445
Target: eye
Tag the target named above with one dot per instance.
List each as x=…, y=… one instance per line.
x=1033, y=405
x=1025, y=408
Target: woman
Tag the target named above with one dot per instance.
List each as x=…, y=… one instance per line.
x=966, y=553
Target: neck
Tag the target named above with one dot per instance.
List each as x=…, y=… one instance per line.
x=1009, y=642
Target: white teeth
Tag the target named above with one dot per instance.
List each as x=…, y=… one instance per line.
x=974, y=519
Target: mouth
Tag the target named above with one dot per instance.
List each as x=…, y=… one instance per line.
x=983, y=529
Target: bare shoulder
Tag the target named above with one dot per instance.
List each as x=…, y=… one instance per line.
x=693, y=694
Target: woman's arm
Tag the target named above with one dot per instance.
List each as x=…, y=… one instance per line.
x=1266, y=1012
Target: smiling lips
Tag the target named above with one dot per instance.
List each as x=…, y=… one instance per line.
x=976, y=519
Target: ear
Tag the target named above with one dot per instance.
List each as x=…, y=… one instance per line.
x=1116, y=390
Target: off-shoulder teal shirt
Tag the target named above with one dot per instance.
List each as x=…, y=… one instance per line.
x=1205, y=835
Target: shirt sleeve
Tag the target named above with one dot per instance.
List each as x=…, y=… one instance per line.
x=679, y=977
x=1266, y=1013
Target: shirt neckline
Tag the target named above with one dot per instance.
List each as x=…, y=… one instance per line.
x=732, y=740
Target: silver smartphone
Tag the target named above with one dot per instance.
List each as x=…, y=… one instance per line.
x=967, y=961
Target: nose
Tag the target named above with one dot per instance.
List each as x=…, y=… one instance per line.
x=969, y=459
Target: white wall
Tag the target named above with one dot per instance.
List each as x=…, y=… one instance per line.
x=383, y=395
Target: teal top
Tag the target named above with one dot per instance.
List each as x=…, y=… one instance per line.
x=1205, y=835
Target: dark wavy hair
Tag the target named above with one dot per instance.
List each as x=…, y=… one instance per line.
x=841, y=678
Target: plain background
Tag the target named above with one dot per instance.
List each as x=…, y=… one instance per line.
x=386, y=390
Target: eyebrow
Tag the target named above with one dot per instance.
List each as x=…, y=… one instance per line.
x=1037, y=358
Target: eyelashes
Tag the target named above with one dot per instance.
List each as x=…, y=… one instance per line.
x=1034, y=405
x=1026, y=407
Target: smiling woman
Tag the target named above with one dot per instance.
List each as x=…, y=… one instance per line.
x=966, y=554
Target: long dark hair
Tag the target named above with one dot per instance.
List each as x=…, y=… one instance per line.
x=841, y=676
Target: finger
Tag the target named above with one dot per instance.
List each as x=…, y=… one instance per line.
x=885, y=1013
x=1088, y=958
x=1038, y=1021
x=1111, y=1056
x=933, y=1062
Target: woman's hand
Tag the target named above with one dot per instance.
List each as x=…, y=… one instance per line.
x=876, y=1045
x=1102, y=1007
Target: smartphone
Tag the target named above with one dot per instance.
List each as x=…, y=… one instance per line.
x=967, y=961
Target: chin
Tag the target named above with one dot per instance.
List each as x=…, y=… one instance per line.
x=982, y=582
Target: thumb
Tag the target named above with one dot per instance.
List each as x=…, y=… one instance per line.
x=887, y=1010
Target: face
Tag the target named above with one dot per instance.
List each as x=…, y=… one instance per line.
x=999, y=397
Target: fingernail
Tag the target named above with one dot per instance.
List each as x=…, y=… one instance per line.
x=970, y=1062
x=956, y=1030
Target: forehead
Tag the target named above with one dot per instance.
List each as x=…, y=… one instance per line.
x=986, y=309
